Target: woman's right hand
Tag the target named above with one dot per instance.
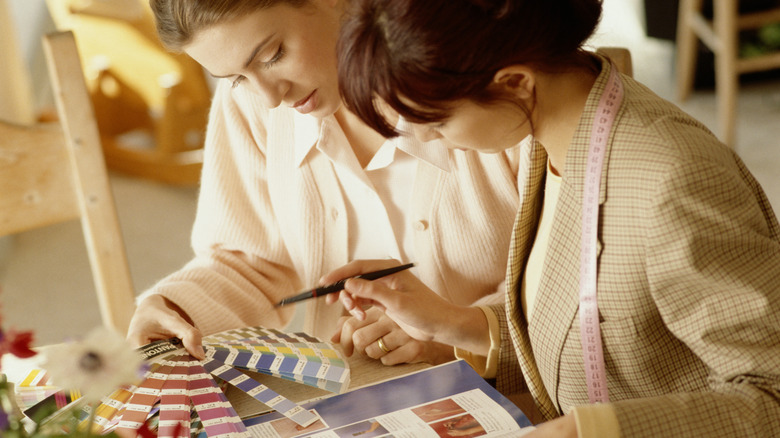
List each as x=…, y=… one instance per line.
x=158, y=318
x=418, y=310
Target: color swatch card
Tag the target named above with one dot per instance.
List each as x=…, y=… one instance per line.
x=178, y=386
x=35, y=388
x=184, y=396
x=297, y=356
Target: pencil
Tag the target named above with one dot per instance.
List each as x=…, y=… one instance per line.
x=339, y=285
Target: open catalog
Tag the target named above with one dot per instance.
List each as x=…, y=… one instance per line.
x=449, y=400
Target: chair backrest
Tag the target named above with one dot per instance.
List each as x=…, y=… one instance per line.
x=55, y=172
x=141, y=92
x=620, y=56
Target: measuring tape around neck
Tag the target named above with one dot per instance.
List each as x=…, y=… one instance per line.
x=592, y=349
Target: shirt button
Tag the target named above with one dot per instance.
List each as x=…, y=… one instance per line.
x=420, y=226
x=334, y=214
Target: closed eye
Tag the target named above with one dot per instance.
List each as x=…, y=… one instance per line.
x=266, y=64
x=277, y=56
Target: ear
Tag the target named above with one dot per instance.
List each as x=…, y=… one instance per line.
x=518, y=80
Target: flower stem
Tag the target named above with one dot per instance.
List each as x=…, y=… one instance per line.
x=92, y=412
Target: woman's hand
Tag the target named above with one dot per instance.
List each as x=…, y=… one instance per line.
x=561, y=427
x=363, y=337
x=158, y=318
x=419, y=311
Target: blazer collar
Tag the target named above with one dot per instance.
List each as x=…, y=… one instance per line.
x=578, y=149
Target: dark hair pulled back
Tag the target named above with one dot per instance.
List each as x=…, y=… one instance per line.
x=434, y=52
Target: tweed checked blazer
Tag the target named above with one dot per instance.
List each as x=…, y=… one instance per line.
x=688, y=281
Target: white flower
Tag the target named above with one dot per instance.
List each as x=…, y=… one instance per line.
x=96, y=365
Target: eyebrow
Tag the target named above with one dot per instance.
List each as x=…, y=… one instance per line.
x=251, y=58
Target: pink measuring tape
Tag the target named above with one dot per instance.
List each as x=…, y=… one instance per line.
x=592, y=349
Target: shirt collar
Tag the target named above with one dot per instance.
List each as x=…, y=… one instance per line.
x=434, y=152
x=309, y=131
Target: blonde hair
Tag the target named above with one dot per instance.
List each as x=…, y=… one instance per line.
x=178, y=21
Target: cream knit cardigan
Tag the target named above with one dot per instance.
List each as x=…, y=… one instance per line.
x=270, y=224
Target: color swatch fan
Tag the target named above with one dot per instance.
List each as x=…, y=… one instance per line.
x=298, y=357
x=181, y=394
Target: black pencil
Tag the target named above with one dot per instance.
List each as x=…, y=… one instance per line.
x=339, y=285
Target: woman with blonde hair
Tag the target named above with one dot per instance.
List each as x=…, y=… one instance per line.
x=294, y=186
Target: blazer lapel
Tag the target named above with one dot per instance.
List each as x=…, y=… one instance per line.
x=557, y=302
x=534, y=163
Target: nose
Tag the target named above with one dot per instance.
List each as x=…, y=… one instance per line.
x=271, y=90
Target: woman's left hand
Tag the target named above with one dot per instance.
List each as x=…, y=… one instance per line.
x=561, y=427
x=364, y=337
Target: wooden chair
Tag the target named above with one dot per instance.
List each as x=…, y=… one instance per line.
x=721, y=35
x=54, y=172
x=16, y=91
x=151, y=105
x=620, y=56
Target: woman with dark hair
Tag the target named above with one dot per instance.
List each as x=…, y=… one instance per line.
x=294, y=186
x=643, y=283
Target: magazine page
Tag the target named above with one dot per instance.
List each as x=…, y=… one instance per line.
x=449, y=400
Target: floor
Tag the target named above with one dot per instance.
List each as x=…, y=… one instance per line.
x=45, y=279
x=45, y=283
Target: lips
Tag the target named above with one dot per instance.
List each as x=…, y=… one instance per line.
x=307, y=104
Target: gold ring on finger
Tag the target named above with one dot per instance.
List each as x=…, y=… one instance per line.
x=382, y=345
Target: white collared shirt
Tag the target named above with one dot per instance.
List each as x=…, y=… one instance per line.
x=378, y=197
